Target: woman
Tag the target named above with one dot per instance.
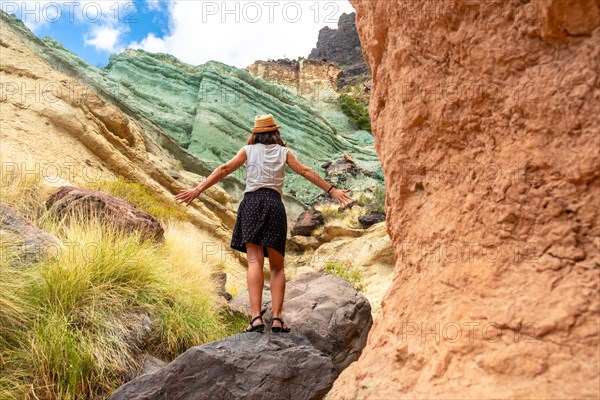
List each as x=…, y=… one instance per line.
x=261, y=224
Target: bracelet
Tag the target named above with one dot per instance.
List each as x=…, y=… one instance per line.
x=330, y=189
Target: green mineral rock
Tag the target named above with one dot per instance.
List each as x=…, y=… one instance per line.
x=203, y=113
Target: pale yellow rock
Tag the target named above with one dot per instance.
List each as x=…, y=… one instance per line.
x=371, y=253
x=334, y=232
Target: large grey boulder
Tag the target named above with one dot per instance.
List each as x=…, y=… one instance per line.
x=25, y=241
x=151, y=364
x=334, y=316
x=244, y=366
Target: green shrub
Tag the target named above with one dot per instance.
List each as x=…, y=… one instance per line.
x=374, y=202
x=379, y=198
x=352, y=275
x=357, y=112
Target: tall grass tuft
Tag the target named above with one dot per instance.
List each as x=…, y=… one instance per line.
x=347, y=218
x=15, y=318
x=76, y=325
x=347, y=272
x=22, y=192
x=142, y=198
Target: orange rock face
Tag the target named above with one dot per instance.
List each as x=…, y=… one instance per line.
x=485, y=116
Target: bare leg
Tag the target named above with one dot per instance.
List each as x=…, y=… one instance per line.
x=255, y=278
x=276, y=262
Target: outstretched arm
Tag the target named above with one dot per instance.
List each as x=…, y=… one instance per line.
x=188, y=195
x=340, y=195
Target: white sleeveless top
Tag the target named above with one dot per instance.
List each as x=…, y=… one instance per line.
x=265, y=166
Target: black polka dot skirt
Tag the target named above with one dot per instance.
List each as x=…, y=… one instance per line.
x=261, y=220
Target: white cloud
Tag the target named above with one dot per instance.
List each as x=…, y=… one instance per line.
x=150, y=43
x=236, y=32
x=104, y=38
x=154, y=5
x=104, y=21
x=241, y=32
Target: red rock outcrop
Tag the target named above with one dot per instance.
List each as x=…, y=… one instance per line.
x=485, y=116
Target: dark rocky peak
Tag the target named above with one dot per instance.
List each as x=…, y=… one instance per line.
x=342, y=47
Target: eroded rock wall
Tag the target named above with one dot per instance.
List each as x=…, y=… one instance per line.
x=314, y=80
x=485, y=117
x=311, y=79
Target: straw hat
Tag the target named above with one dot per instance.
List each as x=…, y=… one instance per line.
x=264, y=123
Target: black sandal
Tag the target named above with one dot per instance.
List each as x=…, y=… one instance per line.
x=279, y=329
x=257, y=328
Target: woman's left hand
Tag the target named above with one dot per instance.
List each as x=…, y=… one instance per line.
x=187, y=195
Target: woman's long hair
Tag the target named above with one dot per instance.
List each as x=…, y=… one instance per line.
x=273, y=137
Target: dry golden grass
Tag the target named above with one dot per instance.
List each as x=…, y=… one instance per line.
x=346, y=218
x=70, y=324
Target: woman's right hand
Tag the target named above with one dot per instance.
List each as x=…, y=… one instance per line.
x=188, y=195
x=341, y=196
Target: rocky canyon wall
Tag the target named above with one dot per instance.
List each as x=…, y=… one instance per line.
x=204, y=113
x=310, y=79
x=313, y=80
x=485, y=116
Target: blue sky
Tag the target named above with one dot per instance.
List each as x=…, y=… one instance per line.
x=236, y=32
